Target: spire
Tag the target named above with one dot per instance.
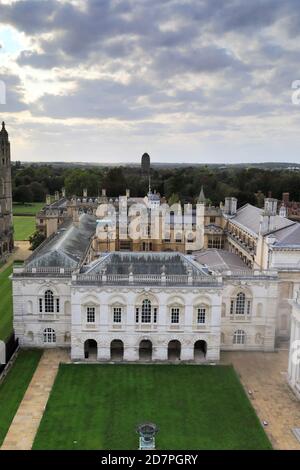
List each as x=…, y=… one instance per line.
x=3, y=133
x=201, y=198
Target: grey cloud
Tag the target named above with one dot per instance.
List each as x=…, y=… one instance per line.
x=14, y=93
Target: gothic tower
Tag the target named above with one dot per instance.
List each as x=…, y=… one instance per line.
x=6, y=222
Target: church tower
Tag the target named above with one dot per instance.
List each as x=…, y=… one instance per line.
x=6, y=222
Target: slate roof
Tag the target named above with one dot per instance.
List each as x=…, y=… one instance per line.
x=220, y=260
x=67, y=247
x=288, y=237
x=249, y=216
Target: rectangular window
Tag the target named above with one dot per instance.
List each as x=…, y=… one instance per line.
x=117, y=314
x=155, y=315
x=137, y=315
x=174, y=315
x=41, y=305
x=201, y=315
x=57, y=305
x=90, y=315
x=248, y=307
x=231, y=307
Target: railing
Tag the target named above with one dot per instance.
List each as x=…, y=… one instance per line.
x=249, y=249
x=152, y=279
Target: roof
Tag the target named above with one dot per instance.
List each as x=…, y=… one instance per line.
x=146, y=263
x=288, y=236
x=249, y=217
x=221, y=260
x=67, y=247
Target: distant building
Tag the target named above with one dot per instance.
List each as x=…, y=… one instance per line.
x=6, y=221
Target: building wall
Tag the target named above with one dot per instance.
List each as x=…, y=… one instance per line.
x=6, y=225
x=294, y=356
x=259, y=324
x=71, y=328
x=29, y=323
x=160, y=333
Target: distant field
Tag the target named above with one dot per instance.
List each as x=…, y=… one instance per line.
x=28, y=209
x=5, y=305
x=14, y=387
x=24, y=226
x=195, y=407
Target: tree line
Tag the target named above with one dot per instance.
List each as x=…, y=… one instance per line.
x=33, y=182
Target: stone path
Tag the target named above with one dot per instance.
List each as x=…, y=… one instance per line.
x=265, y=375
x=24, y=426
x=21, y=252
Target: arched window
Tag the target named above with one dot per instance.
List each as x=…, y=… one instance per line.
x=240, y=304
x=49, y=335
x=239, y=337
x=146, y=311
x=48, y=303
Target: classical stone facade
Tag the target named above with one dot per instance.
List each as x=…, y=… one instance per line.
x=294, y=356
x=6, y=225
x=131, y=306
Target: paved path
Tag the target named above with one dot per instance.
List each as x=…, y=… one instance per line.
x=24, y=426
x=21, y=252
x=265, y=375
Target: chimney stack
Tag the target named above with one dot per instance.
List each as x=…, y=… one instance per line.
x=230, y=205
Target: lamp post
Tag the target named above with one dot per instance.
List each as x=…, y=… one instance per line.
x=147, y=433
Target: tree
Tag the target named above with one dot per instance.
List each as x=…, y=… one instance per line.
x=38, y=192
x=36, y=239
x=22, y=194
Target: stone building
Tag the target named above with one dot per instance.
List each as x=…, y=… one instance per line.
x=6, y=222
x=140, y=306
x=294, y=357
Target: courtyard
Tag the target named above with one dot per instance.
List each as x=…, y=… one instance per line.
x=95, y=406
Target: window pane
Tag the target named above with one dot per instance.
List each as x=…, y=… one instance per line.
x=201, y=315
x=175, y=315
x=117, y=314
x=90, y=314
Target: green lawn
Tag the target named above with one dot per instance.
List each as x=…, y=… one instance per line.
x=24, y=226
x=5, y=304
x=195, y=407
x=28, y=208
x=14, y=387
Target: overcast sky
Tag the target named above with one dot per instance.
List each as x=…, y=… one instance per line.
x=184, y=80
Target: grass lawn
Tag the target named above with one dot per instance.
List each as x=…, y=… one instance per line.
x=14, y=387
x=5, y=304
x=195, y=407
x=27, y=208
x=24, y=227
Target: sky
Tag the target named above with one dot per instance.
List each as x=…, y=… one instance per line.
x=199, y=81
